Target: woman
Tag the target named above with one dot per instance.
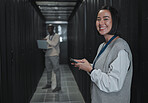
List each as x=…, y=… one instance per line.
x=111, y=71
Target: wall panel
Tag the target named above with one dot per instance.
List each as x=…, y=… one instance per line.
x=3, y=75
x=143, y=51
x=21, y=62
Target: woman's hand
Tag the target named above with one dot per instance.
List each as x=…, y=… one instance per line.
x=83, y=64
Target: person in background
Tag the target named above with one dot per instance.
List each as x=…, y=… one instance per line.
x=112, y=69
x=52, y=58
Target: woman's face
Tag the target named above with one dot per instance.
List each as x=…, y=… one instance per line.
x=104, y=22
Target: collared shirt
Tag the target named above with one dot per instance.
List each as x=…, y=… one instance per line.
x=53, y=48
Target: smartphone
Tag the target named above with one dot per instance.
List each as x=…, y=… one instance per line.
x=72, y=60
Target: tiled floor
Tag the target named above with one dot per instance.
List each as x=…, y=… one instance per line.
x=69, y=93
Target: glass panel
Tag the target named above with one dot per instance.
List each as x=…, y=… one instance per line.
x=55, y=3
x=56, y=12
x=56, y=8
x=59, y=17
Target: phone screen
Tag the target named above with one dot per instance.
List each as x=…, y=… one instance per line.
x=72, y=60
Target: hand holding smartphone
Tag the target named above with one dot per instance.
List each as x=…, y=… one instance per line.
x=72, y=60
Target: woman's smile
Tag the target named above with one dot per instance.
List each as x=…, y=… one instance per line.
x=104, y=22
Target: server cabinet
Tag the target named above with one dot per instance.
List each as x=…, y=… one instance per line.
x=21, y=62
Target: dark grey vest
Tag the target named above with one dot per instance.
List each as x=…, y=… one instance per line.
x=103, y=63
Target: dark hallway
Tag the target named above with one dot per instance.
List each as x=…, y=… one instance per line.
x=23, y=22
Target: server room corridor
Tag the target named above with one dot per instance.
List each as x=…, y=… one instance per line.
x=22, y=62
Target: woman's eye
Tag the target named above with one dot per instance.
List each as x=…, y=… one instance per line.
x=98, y=19
x=105, y=19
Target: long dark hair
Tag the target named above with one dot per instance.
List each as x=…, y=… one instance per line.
x=115, y=19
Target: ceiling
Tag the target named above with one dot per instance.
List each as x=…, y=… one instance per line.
x=57, y=10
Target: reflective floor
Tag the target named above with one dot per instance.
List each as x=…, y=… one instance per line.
x=69, y=90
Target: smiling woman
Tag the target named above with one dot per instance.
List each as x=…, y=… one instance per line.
x=111, y=70
x=112, y=16
x=104, y=22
